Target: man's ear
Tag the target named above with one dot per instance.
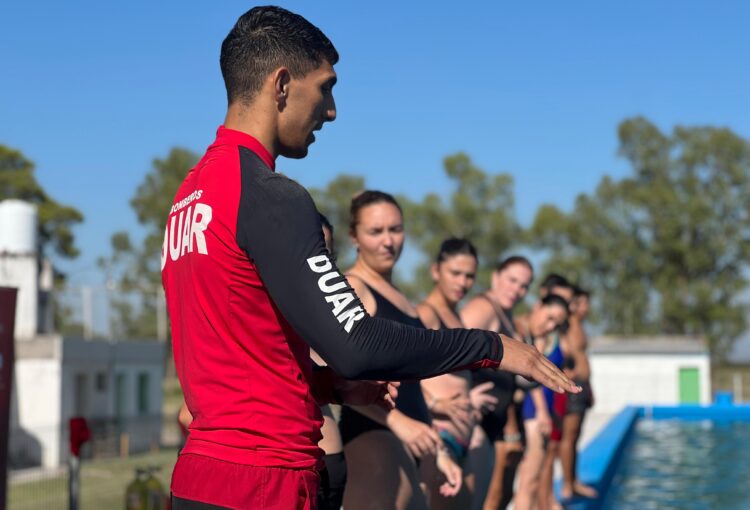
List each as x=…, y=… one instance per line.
x=281, y=79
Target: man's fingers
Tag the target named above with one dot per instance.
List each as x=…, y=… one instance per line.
x=553, y=378
x=525, y=360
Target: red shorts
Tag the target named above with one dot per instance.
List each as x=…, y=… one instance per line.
x=238, y=486
x=559, y=403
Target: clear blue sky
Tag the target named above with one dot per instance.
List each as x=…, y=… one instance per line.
x=93, y=91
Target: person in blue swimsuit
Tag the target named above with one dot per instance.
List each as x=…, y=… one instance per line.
x=536, y=327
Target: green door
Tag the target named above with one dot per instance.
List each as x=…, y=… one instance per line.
x=689, y=386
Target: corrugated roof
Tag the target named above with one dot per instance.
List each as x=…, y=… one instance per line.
x=659, y=344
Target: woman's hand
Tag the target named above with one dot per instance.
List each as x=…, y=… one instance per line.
x=456, y=408
x=451, y=471
x=545, y=422
x=481, y=400
x=419, y=438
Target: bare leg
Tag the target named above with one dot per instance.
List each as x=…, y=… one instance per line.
x=546, y=499
x=381, y=475
x=513, y=456
x=513, y=453
x=531, y=465
x=495, y=490
x=569, y=458
x=478, y=467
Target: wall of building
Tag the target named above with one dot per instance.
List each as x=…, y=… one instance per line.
x=57, y=379
x=117, y=387
x=36, y=428
x=644, y=379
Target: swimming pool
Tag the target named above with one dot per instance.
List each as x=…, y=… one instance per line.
x=683, y=457
x=683, y=465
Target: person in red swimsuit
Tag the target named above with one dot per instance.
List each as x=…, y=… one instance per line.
x=250, y=288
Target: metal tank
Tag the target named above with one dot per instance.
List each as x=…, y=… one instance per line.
x=18, y=223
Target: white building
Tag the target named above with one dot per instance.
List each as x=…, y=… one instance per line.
x=655, y=370
x=116, y=386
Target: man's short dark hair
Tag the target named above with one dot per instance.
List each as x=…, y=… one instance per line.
x=579, y=291
x=265, y=38
x=553, y=280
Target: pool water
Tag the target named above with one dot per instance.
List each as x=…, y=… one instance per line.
x=679, y=464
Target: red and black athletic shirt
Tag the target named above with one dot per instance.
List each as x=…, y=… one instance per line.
x=250, y=288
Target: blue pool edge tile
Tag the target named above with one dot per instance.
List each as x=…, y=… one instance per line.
x=601, y=457
x=598, y=461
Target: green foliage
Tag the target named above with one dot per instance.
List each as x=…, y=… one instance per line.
x=666, y=249
x=333, y=201
x=134, y=269
x=55, y=220
x=480, y=208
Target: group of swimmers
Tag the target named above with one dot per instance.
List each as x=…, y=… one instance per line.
x=469, y=439
x=464, y=439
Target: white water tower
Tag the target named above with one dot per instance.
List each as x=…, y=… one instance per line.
x=18, y=220
x=19, y=266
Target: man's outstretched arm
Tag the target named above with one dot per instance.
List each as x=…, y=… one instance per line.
x=279, y=228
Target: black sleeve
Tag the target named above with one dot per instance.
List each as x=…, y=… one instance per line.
x=279, y=228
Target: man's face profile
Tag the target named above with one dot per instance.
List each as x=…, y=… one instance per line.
x=308, y=104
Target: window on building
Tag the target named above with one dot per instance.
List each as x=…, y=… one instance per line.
x=143, y=387
x=80, y=395
x=101, y=382
x=120, y=395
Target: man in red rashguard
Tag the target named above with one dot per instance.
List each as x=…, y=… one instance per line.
x=250, y=288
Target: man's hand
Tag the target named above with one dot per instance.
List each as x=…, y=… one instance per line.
x=525, y=360
x=365, y=393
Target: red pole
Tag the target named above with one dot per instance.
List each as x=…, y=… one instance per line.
x=7, y=357
x=79, y=434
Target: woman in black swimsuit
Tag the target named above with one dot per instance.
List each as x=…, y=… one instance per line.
x=493, y=310
x=453, y=403
x=381, y=447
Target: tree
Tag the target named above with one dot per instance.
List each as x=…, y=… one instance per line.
x=134, y=270
x=666, y=249
x=55, y=220
x=480, y=208
x=333, y=201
